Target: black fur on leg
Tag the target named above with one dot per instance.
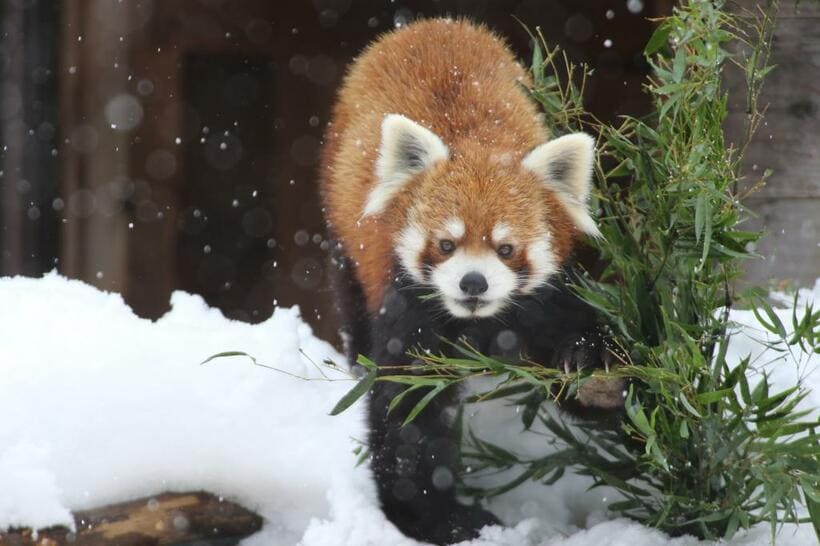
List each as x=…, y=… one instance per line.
x=417, y=465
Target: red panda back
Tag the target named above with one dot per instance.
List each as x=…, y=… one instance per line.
x=454, y=77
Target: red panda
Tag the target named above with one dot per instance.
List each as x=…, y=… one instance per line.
x=433, y=139
x=438, y=174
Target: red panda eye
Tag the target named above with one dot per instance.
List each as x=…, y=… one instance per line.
x=505, y=251
x=446, y=246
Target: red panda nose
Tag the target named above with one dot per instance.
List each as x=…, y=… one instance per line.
x=473, y=284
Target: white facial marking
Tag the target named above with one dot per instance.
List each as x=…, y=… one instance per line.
x=565, y=166
x=501, y=282
x=455, y=228
x=542, y=263
x=501, y=232
x=409, y=246
x=406, y=149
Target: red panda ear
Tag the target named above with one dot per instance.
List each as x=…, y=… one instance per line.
x=406, y=149
x=564, y=165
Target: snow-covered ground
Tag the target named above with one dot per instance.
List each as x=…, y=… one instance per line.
x=100, y=406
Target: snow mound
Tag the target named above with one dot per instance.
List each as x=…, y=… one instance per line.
x=100, y=406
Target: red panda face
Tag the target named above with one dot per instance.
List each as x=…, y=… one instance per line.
x=481, y=228
x=475, y=278
x=478, y=233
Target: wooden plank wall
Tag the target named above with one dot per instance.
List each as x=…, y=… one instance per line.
x=788, y=142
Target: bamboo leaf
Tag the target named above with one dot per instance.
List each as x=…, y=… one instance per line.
x=685, y=403
x=700, y=215
x=658, y=38
x=227, y=354
x=394, y=403
x=366, y=362
x=679, y=64
x=359, y=390
x=423, y=403
x=714, y=396
x=814, y=513
x=537, y=60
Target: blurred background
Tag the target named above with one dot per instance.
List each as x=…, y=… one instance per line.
x=149, y=146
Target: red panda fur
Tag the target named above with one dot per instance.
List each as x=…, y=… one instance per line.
x=462, y=82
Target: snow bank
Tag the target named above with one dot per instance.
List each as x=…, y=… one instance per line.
x=100, y=406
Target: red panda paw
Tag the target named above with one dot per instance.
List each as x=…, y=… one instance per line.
x=465, y=522
x=586, y=352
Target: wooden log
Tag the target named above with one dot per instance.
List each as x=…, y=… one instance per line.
x=167, y=519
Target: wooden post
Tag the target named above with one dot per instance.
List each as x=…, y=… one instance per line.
x=167, y=519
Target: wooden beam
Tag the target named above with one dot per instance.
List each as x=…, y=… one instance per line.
x=167, y=519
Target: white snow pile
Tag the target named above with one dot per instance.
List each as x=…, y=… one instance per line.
x=99, y=406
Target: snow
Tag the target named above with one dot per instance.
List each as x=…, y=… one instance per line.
x=100, y=406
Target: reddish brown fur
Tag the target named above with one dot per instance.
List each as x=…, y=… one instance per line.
x=462, y=82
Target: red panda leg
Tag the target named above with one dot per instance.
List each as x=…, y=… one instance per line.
x=416, y=466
